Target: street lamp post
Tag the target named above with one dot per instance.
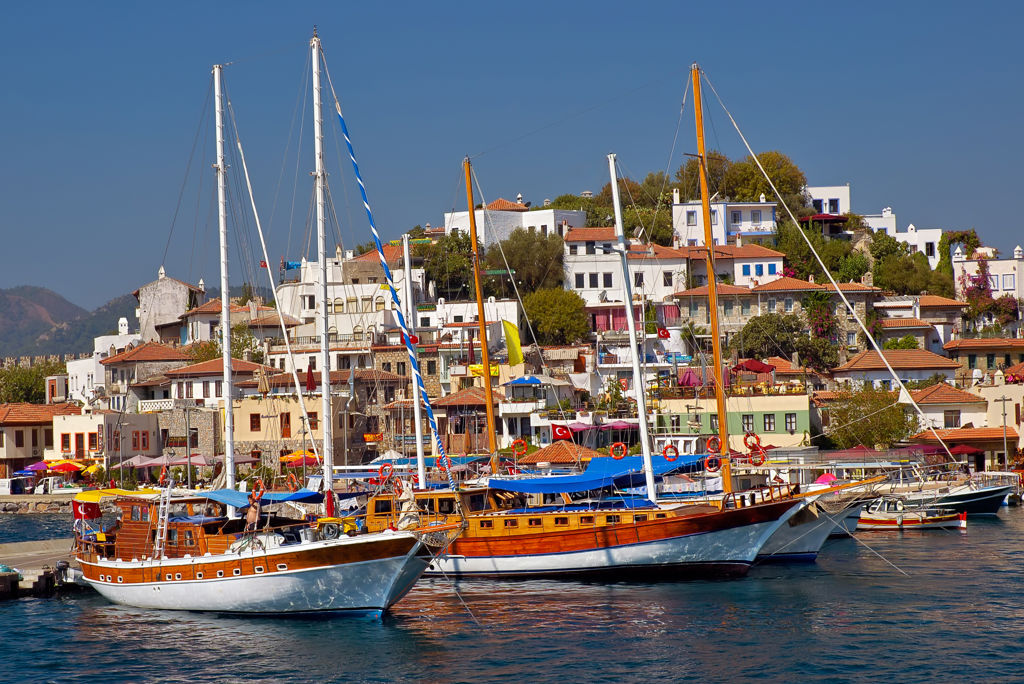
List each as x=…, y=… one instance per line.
x=1006, y=453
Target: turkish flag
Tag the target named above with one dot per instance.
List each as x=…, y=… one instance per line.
x=624, y=383
x=85, y=510
x=561, y=432
x=263, y=264
x=663, y=333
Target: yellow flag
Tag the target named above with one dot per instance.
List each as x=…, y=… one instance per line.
x=515, y=349
x=478, y=369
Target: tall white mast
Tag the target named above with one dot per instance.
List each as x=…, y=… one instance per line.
x=326, y=419
x=225, y=296
x=410, y=316
x=627, y=293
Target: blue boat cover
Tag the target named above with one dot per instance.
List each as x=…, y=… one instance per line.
x=601, y=472
x=230, y=497
x=411, y=461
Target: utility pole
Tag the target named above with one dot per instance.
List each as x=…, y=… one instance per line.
x=1006, y=452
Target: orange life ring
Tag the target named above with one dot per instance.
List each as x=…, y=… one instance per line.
x=257, y=491
x=758, y=458
x=714, y=444
x=293, y=483
x=385, y=472
x=751, y=437
x=712, y=464
x=163, y=476
x=670, y=448
x=519, y=447
x=621, y=448
x=396, y=484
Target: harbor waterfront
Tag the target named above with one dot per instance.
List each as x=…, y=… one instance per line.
x=852, y=616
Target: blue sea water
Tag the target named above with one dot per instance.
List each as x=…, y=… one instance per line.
x=852, y=616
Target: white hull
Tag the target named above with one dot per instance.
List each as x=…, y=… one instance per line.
x=362, y=586
x=732, y=548
x=802, y=537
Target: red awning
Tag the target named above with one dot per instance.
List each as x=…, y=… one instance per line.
x=753, y=366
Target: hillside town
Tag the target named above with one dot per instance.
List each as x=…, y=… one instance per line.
x=560, y=356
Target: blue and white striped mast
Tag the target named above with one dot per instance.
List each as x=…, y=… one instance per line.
x=396, y=300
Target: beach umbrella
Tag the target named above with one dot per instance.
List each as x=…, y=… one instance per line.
x=41, y=465
x=965, y=450
x=826, y=479
x=92, y=469
x=300, y=461
x=66, y=468
x=297, y=454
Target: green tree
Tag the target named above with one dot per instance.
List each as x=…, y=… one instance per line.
x=243, y=345
x=852, y=267
x=871, y=417
x=648, y=224
x=18, y=384
x=630, y=192
x=449, y=264
x=905, y=342
x=688, y=179
x=558, y=316
x=768, y=335
x=744, y=181
x=535, y=259
x=247, y=294
x=799, y=258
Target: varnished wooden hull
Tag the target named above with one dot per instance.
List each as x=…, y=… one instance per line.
x=714, y=544
x=364, y=574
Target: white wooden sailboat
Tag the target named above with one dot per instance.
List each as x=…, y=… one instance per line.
x=180, y=552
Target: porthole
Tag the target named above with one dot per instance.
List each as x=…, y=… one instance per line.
x=237, y=571
x=169, y=577
x=220, y=573
x=259, y=569
x=199, y=575
x=120, y=579
x=282, y=566
x=177, y=575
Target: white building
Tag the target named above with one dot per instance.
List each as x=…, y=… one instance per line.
x=885, y=222
x=947, y=407
x=925, y=241
x=731, y=222
x=86, y=376
x=909, y=364
x=1004, y=275
x=497, y=220
x=829, y=199
x=110, y=435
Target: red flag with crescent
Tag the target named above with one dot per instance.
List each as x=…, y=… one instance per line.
x=561, y=432
x=85, y=510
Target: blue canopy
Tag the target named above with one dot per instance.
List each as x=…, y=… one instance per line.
x=524, y=380
x=230, y=497
x=601, y=472
x=411, y=461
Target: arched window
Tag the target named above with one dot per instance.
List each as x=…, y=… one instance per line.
x=378, y=304
x=339, y=305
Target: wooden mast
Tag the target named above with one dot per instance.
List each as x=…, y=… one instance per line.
x=709, y=243
x=482, y=320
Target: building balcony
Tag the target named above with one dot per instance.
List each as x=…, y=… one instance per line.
x=521, y=407
x=155, y=405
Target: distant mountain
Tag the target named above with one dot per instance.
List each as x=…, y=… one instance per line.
x=35, y=321
x=26, y=312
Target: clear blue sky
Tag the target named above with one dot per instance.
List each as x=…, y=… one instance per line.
x=916, y=104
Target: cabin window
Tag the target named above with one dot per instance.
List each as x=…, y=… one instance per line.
x=136, y=515
x=536, y=522
x=660, y=515
x=561, y=522
x=486, y=524
x=446, y=506
x=586, y=520
x=639, y=518
x=612, y=519
x=189, y=539
x=511, y=522
x=172, y=536
x=382, y=506
x=477, y=502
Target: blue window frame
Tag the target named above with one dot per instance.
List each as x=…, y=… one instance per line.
x=759, y=269
x=746, y=269
x=771, y=269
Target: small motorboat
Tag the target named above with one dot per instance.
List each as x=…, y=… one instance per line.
x=893, y=513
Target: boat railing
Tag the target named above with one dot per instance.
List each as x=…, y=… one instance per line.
x=766, y=494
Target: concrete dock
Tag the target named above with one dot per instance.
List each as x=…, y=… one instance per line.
x=38, y=562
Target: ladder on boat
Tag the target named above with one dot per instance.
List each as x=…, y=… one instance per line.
x=163, y=511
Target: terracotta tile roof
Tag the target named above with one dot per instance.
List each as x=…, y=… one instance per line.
x=391, y=253
x=35, y=414
x=732, y=252
x=984, y=343
x=561, y=452
x=654, y=251
x=787, y=284
x=784, y=366
x=906, y=359
x=822, y=397
x=155, y=381
x=723, y=290
x=337, y=378
x=936, y=300
x=588, y=234
x=215, y=367
x=502, y=204
x=1016, y=370
x=954, y=436
x=272, y=321
x=471, y=396
x=942, y=393
x=213, y=307
x=148, y=351
x=898, y=323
